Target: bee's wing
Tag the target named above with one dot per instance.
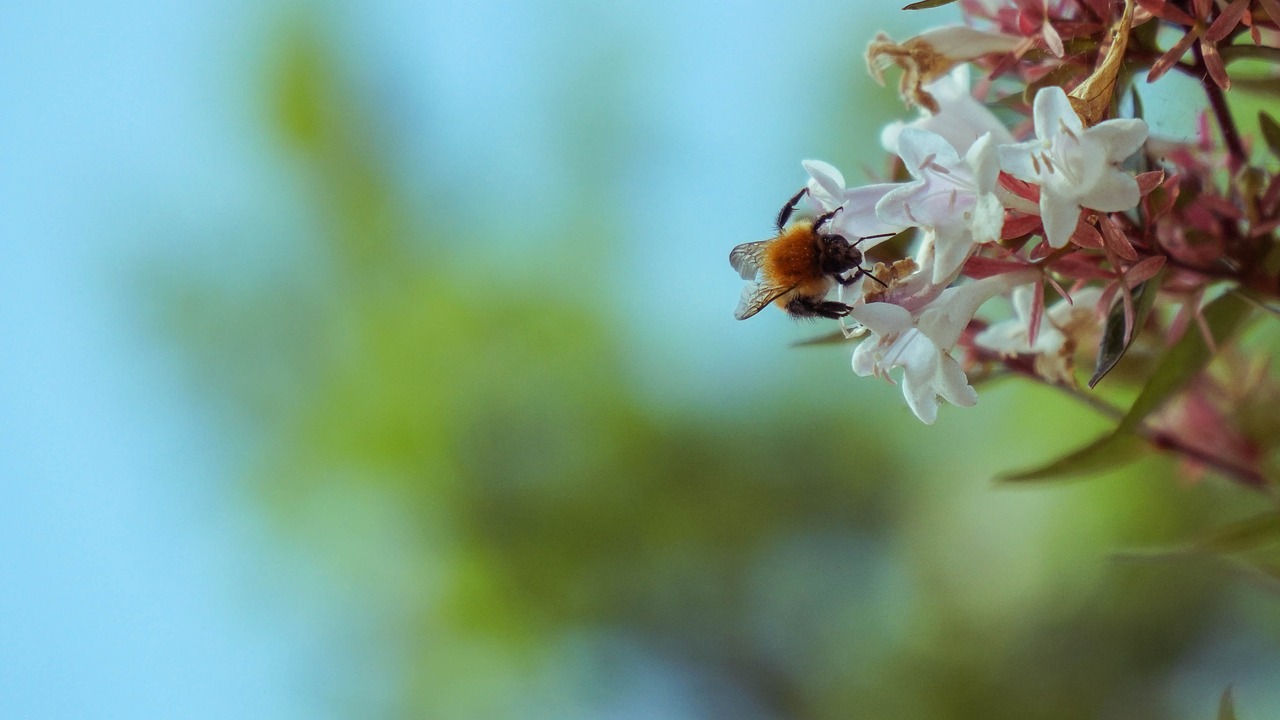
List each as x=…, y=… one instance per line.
x=747, y=258
x=756, y=295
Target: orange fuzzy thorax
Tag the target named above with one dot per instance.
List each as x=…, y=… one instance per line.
x=792, y=261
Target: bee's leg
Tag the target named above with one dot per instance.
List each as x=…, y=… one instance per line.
x=807, y=307
x=785, y=213
x=824, y=219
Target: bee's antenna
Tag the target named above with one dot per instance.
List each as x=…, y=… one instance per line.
x=873, y=237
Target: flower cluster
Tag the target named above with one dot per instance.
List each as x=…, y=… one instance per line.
x=1098, y=236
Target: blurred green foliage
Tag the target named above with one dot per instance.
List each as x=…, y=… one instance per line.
x=532, y=540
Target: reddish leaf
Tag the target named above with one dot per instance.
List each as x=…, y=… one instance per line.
x=1058, y=289
x=1226, y=22
x=1166, y=11
x=1149, y=181
x=1021, y=188
x=1087, y=236
x=1161, y=201
x=1117, y=242
x=1016, y=225
x=1144, y=270
x=1273, y=11
x=1221, y=206
x=1173, y=55
x=1037, y=312
x=1079, y=266
x=1264, y=229
x=978, y=267
x=1213, y=63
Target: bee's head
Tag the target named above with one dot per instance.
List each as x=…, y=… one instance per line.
x=836, y=255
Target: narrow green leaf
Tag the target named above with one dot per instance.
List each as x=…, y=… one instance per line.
x=1114, y=343
x=1137, y=102
x=1270, y=131
x=925, y=4
x=1264, y=575
x=1112, y=346
x=1256, y=86
x=1237, y=537
x=1106, y=453
x=1253, y=299
x=1186, y=358
x=833, y=338
x=1231, y=53
x=1226, y=706
x=1242, y=535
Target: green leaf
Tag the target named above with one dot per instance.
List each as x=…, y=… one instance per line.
x=925, y=4
x=1226, y=706
x=1106, y=453
x=1114, y=343
x=1257, y=86
x=833, y=338
x=1187, y=358
x=1137, y=102
x=1270, y=131
x=1237, y=537
x=1263, y=574
x=1232, y=53
x=1242, y=535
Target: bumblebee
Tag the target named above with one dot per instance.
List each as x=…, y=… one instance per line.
x=797, y=268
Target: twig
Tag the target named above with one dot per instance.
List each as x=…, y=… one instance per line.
x=1165, y=441
x=1218, y=102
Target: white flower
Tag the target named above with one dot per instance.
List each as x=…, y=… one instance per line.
x=932, y=54
x=921, y=343
x=927, y=371
x=858, y=219
x=1062, y=327
x=960, y=119
x=1074, y=166
x=951, y=196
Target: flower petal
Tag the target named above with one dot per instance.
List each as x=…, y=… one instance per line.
x=988, y=219
x=859, y=218
x=1019, y=161
x=920, y=148
x=982, y=158
x=1053, y=114
x=1115, y=191
x=882, y=318
x=1121, y=138
x=918, y=387
x=827, y=177
x=1059, y=215
x=953, y=385
x=952, y=246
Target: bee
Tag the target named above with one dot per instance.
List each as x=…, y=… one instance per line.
x=797, y=268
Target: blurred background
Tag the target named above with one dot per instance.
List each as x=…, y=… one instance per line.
x=377, y=360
